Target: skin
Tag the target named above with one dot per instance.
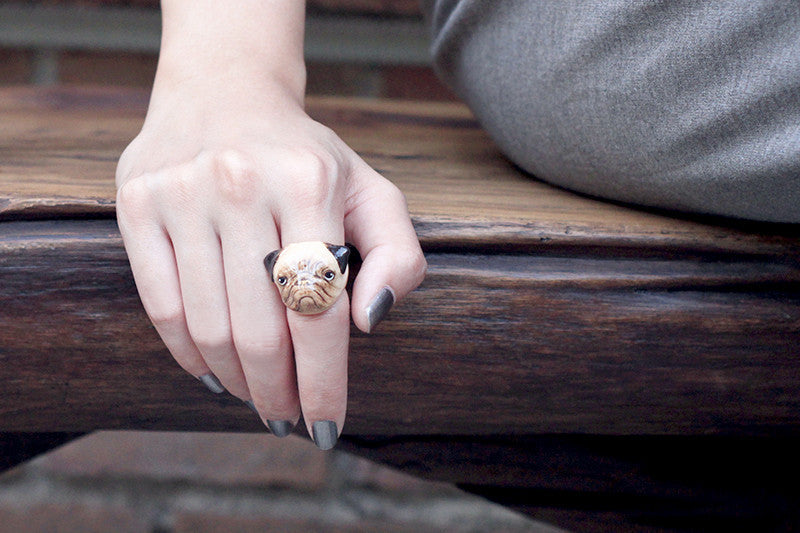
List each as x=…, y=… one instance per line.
x=228, y=167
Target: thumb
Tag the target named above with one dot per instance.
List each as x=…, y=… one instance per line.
x=379, y=226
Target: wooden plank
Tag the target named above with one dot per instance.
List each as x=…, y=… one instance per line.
x=60, y=146
x=490, y=344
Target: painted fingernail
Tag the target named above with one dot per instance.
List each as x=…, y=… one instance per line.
x=280, y=428
x=213, y=384
x=325, y=434
x=379, y=307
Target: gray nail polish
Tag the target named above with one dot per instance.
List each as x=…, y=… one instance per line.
x=213, y=384
x=379, y=307
x=280, y=428
x=325, y=434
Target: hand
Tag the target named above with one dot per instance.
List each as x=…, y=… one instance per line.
x=221, y=175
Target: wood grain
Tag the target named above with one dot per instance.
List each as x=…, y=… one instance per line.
x=490, y=344
x=59, y=151
x=577, y=360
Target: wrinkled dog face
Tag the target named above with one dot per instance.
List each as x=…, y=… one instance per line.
x=310, y=276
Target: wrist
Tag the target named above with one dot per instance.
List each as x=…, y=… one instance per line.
x=211, y=80
x=222, y=46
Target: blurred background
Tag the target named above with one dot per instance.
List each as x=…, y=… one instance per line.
x=188, y=482
x=372, y=48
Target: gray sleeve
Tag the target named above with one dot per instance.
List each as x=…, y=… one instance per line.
x=685, y=105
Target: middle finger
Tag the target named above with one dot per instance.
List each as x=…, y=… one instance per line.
x=258, y=319
x=199, y=259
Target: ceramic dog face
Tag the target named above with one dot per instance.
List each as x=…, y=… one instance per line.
x=310, y=276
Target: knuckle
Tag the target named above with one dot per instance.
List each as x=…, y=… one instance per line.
x=178, y=185
x=123, y=169
x=381, y=192
x=391, y=193
x=256, y=347
x=325, y=134
x=274, y=403
x=166, y=317
x=418, y=266
x=313, y=180
x=315, y=163
x=412, y=263
x=235, y=175
x=211, y=339
x=134, y=197
x=126, y=164
x=319, y=402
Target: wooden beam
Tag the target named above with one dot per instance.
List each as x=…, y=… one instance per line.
x=491, y=343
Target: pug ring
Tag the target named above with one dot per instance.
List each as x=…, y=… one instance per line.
x=309, y=276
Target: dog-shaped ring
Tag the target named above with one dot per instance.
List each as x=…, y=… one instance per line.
x=309, y=276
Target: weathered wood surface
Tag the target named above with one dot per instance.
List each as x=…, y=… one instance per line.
x=60, y=147
x=490, y=344
x=543, y=313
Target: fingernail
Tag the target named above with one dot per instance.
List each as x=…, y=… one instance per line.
x=213, y=384
x=252, y=406
x=379, y=307
x=325, y=434
x=280, y=428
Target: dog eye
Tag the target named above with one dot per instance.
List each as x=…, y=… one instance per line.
x=282, y=280
x=329, y=275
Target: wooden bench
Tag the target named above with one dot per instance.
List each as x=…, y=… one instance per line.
x=591, y=364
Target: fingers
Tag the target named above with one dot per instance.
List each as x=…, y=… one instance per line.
x=320, y=352
x=320, y=341
x=198, y=256
x=258, y=319
x=198, y=263
x=378, y=224
x=152, y=260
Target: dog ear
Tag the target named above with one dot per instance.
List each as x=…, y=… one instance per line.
x=341, y=253
x=269, y=262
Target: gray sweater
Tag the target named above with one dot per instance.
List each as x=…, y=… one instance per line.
x=685, y=105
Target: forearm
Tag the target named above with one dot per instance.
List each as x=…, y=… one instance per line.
x=254, y=44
